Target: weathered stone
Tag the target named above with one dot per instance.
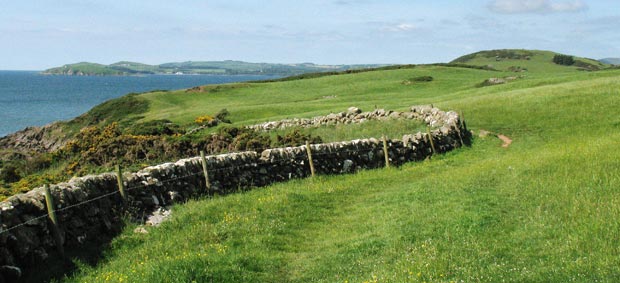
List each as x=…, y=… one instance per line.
x=347, y=166
x=353, y=111
x=140, y=230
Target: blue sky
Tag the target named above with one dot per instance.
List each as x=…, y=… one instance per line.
x=47, y=33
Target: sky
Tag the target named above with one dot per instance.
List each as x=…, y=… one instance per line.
x=36, y=35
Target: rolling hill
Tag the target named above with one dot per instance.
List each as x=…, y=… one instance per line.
x=517, y=60
x=543, y=209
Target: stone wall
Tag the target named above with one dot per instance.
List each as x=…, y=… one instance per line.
x=90, y=207
x=353, y=115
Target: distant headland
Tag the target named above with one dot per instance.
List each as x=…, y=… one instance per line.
x=228, y=67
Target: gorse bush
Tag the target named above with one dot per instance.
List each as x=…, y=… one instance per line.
x=204, y=120
x=296, y=138
x=156, y=128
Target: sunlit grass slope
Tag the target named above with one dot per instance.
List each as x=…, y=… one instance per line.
x=531, y=60
x=546, y=209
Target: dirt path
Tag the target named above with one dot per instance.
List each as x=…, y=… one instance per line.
x=507, y=141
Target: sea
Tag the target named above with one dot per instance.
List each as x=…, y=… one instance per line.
x=28, y=98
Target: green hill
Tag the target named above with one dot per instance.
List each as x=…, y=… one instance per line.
x=84, y=69
x=135, y=68
x=543, y=209
x=518, y=60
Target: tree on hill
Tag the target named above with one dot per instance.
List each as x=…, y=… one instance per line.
x=563, y=60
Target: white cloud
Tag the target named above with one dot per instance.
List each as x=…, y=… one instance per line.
x=398, y=27
x=536, y=6
x=394, y=26
x=405, y=27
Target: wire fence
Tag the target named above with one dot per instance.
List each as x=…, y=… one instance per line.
x=288, y=159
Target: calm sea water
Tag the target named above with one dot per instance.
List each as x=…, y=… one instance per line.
x=30, y=99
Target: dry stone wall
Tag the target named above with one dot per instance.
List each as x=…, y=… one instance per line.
x=89, y=207
x=431, y=115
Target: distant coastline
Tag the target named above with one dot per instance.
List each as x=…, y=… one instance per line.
x=229, y=67
x=28, y=98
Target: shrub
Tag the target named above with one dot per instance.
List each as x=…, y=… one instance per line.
x=296, y=138
x=222, y=115
x=422, y=79
x=156, y=128
x=563, y=60
x=250, y=140
x=10, y=174
x=205, y=120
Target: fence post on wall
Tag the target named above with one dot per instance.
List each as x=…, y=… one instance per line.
x=204, y=170
x=385, y=152
x=458, y=131
x=309, y=151
x=121, y=185
x=51, y=214
x=462, y=121
x=459, y=127
x=430, y=138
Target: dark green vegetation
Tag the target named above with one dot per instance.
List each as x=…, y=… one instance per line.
x=207, y=67
x=563, y=60
x=544, y=209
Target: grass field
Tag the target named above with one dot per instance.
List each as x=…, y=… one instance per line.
x=543, y=210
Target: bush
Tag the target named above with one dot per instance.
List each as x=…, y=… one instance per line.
x=250, y=140
x=205, y=120
x=296, y=138
x=156, y=128
x=10, y=174
x=422, y=79
x=417, y=79
x=222, y=115
x=563, y=60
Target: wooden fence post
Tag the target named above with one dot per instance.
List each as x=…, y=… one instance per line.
x=204, y=170
x=385, y=152
x=309, y=151
x=462, y=120
x=430, y=138
x=458, y=132
x=121, y=185
x=51, y=214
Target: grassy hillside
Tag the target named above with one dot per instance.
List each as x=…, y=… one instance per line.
x=518, y=61
x=84, y=69
x=544, y=209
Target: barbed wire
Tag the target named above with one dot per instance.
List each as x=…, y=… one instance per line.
x=219, y=169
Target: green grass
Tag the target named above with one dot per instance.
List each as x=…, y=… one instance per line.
x=543, y=210
x=394, y=129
